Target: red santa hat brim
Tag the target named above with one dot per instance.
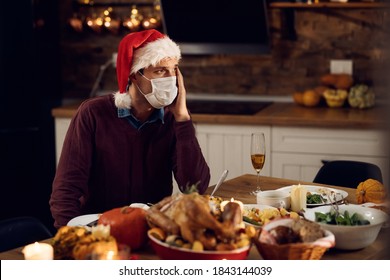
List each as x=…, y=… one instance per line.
x=140, y=50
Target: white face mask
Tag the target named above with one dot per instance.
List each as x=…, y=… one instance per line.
x=164, y=91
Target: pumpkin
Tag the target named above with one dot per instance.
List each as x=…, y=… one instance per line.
x=338, y=81
x=298, y=98
x=370, y=191
x=335, y=97
x=127, y=224
x=361, y=96
x=311, y=98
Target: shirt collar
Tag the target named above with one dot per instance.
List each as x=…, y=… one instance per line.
x=157, y=114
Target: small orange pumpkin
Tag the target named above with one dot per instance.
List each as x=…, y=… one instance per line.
x=370, y=191
x=127, y=224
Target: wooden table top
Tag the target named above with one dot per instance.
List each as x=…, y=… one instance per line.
x=239, y=188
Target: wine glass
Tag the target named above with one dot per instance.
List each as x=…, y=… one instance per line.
x=257, y=156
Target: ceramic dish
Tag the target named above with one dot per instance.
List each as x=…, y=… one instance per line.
x=168, y=252
x=260, y=207
x=339, y=195
x=83, y=220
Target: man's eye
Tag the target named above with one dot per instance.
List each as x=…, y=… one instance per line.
x=161, y=71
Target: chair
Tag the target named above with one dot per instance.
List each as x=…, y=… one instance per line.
x=347, y=173
x=20, y=231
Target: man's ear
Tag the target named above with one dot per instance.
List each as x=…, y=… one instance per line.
x=130, y=80
x=132, y=77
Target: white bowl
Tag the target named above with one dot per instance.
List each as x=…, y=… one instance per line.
x=275, y=198
x=352, y=237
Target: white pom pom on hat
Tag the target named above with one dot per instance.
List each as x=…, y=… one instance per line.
x=140, y=50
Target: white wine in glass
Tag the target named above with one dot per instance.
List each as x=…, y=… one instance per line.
x=257, y=156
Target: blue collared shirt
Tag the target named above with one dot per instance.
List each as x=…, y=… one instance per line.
x=155, y=116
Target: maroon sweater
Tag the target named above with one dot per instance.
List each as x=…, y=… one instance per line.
x=107, y=163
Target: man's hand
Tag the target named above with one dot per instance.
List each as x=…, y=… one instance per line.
x=179, y=106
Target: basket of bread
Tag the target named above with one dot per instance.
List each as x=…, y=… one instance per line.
x=293, y=239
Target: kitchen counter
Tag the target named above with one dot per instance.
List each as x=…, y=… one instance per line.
x=285, y=114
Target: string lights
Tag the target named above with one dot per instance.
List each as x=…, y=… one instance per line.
x=98, y=18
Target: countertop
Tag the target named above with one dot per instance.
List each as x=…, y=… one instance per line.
x=285, y=114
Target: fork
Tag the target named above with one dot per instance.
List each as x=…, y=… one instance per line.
x=334, y=204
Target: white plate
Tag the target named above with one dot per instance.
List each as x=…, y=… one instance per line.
x=258, y=206
x=83, y=220
x=340, y=194
x=86, y=219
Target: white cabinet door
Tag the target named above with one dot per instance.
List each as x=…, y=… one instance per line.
x=228, y=147
x=297, y=153
x=61, y=127
x=304, y=167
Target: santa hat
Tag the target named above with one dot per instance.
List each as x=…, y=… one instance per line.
x=140, y=50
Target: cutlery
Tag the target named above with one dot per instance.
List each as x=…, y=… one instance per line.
x=93, y=223
x=219, y=183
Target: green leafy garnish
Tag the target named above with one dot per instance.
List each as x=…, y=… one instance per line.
x=345, y=219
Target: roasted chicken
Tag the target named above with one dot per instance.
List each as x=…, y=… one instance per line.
x=189, y=215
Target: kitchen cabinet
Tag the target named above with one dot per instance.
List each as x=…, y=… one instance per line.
x=298, y=153
x=228, y=147
x=61, y=127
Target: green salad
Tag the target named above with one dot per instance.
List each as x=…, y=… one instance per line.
x=313, y=198
x=333, y=218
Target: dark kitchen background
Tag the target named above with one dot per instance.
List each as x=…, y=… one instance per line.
x=50, y=56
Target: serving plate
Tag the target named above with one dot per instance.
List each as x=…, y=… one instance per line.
x=260, y=207
x=339, y=195
x=85, y=220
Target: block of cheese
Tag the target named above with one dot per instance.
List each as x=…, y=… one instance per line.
x=298, y=198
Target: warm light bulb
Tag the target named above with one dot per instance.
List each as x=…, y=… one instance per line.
x=99, y=21
x=146, y=24
x=134, y=10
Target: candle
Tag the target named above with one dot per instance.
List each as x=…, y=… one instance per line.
x=38, y=251
x=298, y=198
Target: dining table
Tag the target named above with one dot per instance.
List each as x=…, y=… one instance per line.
x=240, y=188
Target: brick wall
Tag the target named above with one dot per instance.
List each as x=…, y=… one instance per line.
x=293, y=64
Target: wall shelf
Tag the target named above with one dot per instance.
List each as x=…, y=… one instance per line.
x=113, y=4
x=331, y=5
x=288, y=12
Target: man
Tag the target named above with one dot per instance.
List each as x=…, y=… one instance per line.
x=123, y=148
